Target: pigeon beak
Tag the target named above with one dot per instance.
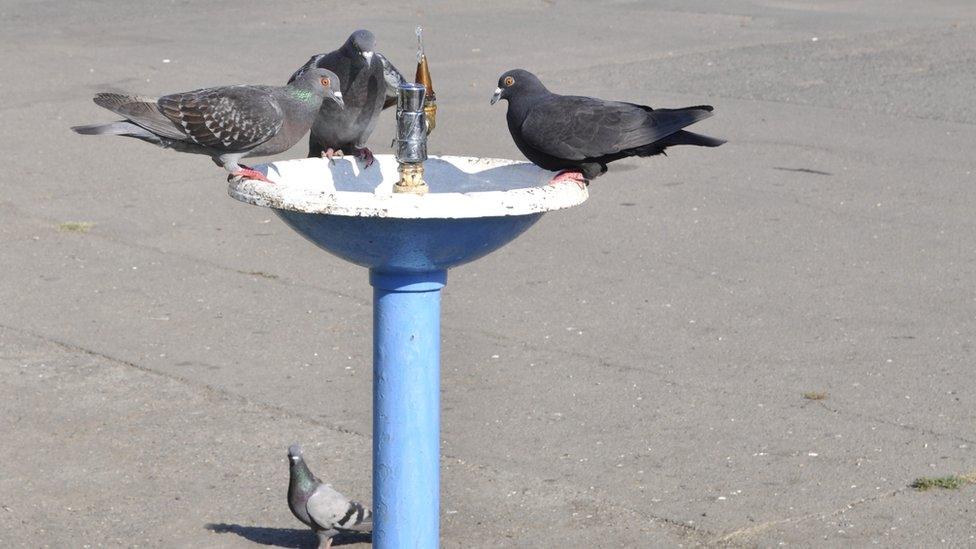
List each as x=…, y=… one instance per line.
x=337, y=97
x=497, y=96
x=368, y=56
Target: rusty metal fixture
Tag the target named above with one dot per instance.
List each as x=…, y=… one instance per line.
x=411, y=179
x=422, y=76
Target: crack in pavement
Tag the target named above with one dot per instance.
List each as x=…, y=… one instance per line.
x=744, y=533
x=904, y=426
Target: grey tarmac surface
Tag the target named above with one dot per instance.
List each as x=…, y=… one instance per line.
x=629, y=373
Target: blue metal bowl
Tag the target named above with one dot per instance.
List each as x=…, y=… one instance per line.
x=409, y=245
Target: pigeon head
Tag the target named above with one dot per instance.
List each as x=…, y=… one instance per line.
x=516, y=82
x=362, y=42
x=321, y=83
x=294, y=453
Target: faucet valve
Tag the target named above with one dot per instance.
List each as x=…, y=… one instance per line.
x=411, y=138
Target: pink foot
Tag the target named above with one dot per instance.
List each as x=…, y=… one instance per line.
x=331, y=153
x=249, y=173
x=570, y=175
x=365, y=155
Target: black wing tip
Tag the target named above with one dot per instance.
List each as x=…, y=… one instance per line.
x=706, y=108
x=699, y=112
x=112, y=101
x=105, y=99
x=685, y=137
x=99, y=129
x=312, y=63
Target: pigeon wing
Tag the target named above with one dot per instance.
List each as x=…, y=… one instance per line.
x=313, y=62
x=578, y=128
x=332, y=511
x=141, y=110
x=393, y=79
x=232, y=118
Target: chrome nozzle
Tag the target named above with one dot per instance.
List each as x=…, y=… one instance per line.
x=411, y=135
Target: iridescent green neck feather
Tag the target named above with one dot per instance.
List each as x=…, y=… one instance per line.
x=302, y=95
x=301, y=475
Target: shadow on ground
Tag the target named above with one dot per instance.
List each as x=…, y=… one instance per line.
x=300, y=538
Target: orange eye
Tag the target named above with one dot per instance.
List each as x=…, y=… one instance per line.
x=325, y=82
x=509, y=81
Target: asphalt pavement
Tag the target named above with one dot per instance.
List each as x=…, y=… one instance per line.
x=757, y=345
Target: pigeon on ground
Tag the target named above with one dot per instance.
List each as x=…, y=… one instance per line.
x=581, y=135
x=226, y=123
x=369, y=85
x=318, y=505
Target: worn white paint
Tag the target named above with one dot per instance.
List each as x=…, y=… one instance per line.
x=491, y=187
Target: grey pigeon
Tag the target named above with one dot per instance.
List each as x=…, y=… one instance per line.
x=581, y=135
x=369, y=85
x=320, y=506
x=226, y=123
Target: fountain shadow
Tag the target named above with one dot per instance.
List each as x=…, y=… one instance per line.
x=296, y=538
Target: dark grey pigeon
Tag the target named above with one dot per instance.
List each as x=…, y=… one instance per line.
x=581, y=135
x=318, y=505
x=226, y=123
x=369, y=85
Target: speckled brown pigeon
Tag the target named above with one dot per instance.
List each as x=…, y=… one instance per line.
x=226, y=123
x=321, y=507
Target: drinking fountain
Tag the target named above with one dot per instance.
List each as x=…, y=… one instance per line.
x=408, y=219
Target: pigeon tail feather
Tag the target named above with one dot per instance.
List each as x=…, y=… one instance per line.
x=684, y=137
x=140, y=110
x=708, y=108
x=681, y=137
x=112, y=128
x=121, y=127
x=357, y=518
x=680, y=117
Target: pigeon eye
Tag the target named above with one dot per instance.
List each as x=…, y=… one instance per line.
x=325, y=82
x=508, y=81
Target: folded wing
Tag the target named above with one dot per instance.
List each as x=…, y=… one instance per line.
x=231, y=118
x=393, y=79
x=578, y=128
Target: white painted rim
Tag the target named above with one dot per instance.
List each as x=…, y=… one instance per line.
x=306, y=185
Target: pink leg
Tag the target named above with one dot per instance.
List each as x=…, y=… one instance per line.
x=365, y=155
x=330, y=153
x=249, y=173
x=570, y=175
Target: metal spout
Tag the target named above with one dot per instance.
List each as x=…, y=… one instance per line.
x=422, y=76
x=411, y=138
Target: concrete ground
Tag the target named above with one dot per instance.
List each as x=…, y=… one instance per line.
x=629, y=373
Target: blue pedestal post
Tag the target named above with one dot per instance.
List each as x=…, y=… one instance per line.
x=406, y=408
